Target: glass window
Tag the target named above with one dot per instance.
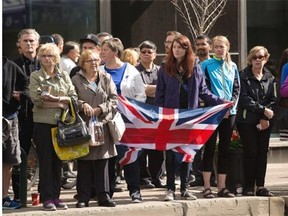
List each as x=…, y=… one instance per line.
x=70, y=18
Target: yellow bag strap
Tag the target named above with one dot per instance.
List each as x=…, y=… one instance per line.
x=65, y=112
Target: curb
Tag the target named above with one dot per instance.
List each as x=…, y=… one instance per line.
x=239, y=206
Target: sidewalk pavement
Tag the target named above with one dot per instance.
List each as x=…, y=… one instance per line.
x=153, y=204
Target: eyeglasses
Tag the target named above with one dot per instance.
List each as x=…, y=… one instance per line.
x=147, y=51
x=47, y=56
x=261, y=58
x=92, y=60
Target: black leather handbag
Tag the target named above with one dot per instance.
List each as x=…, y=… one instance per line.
x=72, y=130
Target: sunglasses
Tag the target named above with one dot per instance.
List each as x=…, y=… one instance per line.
x=147, y=51
x=261, y=58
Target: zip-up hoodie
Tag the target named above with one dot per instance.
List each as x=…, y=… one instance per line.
x=222, y=80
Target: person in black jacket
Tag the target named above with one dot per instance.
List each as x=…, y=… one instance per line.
x=15, y=90
x=88, y=42
x=254, y=118
x=28, y=41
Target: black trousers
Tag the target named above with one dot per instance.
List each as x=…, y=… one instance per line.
x=224, y=131
x=112, y=170
x=92, y=175
x=49, y=164
x=255, y=149
x=172, y=161
x=155, y=162
x=132, y=176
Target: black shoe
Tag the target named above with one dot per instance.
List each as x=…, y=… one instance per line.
x=264, y=192
x=136, y=197
x=158, y=184
x=107, y=203
x=81, y=204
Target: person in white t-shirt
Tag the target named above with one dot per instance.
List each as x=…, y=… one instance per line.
x=70, y=55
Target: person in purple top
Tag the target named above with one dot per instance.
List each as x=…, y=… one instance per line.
x=284, y=89
x=181, y=84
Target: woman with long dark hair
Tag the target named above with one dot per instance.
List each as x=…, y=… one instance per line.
x=180, y=84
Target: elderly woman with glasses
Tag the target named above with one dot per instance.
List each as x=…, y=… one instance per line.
x=254, y=118
x=50, y=91
x=97, y=96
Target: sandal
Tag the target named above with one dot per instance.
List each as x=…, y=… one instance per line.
x=264, y=192
x=207, y=193
x=224, y=192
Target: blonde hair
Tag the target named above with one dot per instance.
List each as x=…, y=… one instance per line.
x=224, y=40
x=86, y=54
x=254, y=50
x=50, y=48
x=130, y=55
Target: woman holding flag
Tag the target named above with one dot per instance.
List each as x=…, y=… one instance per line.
x=180, y=85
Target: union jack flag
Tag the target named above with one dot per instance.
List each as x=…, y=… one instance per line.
x=151, y=127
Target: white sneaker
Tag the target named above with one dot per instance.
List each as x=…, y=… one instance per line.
x=170, y=195
x=187, y=195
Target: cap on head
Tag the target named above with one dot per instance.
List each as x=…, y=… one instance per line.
x=91, y=38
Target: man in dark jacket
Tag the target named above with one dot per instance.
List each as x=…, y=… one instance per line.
x=15, y=90
x=28, y=41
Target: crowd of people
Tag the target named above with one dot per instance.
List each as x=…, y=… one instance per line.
x=39, y=84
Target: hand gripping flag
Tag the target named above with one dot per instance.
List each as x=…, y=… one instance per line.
x=152, y=127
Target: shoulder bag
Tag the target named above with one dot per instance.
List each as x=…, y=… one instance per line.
x=116, y=127
x=68, y=152
x=73, y=131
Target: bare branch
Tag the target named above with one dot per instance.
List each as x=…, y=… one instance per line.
x=204, y=14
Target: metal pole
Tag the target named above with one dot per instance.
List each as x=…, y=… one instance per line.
x=23, y=179
x=242, y=23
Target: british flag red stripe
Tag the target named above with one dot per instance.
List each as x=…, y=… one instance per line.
x=183, y=130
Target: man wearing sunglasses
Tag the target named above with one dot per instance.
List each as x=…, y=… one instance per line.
x=151, y=175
